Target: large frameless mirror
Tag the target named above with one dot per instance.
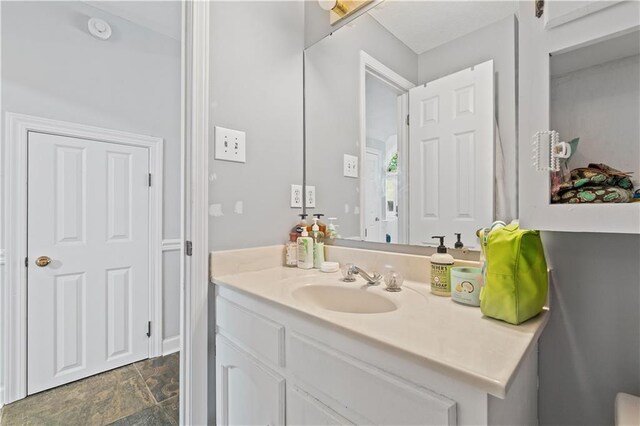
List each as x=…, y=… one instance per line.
x=411, y=122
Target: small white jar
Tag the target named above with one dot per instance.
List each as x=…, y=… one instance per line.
x=465, y=285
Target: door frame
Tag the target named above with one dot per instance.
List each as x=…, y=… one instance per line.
x=370, y=65
x=194, y=286
x=14, y=300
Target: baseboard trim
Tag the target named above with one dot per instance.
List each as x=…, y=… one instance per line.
x=170, y=345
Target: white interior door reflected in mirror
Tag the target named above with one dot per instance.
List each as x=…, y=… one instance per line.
x=374, y=195
x=451, y=146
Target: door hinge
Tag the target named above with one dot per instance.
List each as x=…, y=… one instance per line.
x=149, y=329
x=188, y=248
x=407, y=119
x=539, y=8
x=26, y=262
x=149, y=179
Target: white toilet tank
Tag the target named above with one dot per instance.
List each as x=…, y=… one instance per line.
x=627, y=410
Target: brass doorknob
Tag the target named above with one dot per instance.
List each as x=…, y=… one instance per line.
x=43, y=261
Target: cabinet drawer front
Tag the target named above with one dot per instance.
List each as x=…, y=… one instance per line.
x=257, y=335
x=369, y=392
x=305, y=410
x=247, y=393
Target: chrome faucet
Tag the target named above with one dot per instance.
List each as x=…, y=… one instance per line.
x=349, y=271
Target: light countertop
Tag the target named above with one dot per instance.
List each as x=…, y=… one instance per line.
x=448, y=337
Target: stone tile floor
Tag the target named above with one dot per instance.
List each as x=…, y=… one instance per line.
x=143, y=393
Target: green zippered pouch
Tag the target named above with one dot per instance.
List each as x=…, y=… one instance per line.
x=516, y=282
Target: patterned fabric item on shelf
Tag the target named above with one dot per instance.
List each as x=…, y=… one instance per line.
x=597, y=183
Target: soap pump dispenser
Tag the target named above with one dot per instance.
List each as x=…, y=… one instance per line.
x=458, y=243
x=441, y=263
x=305, y=249
x=332, y=231
x=302, y=224
x=323, y=227
x=318, y=244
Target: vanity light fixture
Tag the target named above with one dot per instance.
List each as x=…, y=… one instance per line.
x=338, y=6
x=339, y=9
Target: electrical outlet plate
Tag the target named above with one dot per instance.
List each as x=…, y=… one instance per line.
x=350, y=166
x=296, y=196
x=230, y=145
x=310, y=196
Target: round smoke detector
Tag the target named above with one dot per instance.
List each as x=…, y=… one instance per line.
x=99, y=28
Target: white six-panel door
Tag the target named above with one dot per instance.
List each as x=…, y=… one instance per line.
x=374, y=192
x=88, y=211
x=451, y=155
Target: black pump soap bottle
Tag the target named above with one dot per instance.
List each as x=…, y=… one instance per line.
x=441, y=263
x=302, y=224
x=458, y=243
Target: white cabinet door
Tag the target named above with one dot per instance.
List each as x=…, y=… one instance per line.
x=537, y=45
x=451, y=139
x=303, y=409
x=247, y=393
x=88, y=308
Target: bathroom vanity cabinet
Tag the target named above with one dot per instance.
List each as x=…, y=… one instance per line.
x=277, y=366
x=578, y=75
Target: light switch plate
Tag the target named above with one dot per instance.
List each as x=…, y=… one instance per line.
x=296, y=196
x=230, y=145
x=350, y=166
x=310, y=196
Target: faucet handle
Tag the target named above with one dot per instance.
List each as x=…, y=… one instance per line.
x=349, y=272
x=393, y=280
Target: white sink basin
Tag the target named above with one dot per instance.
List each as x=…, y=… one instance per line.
x=344, y=299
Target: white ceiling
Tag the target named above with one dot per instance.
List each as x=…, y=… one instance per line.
x=163, y=17
x=423, y=25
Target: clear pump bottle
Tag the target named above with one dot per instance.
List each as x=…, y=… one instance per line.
x=318, y=244
x=323, y=227
x=291, y=251
x=332, y=231
x=305, y=249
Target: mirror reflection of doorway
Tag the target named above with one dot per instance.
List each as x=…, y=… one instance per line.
x=385, y=132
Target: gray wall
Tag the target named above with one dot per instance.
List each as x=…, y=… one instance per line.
x=616, y=86
x=590, y=349
x=256, y=87
x=52, y=67
x=498, y=42
x=333, y=121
